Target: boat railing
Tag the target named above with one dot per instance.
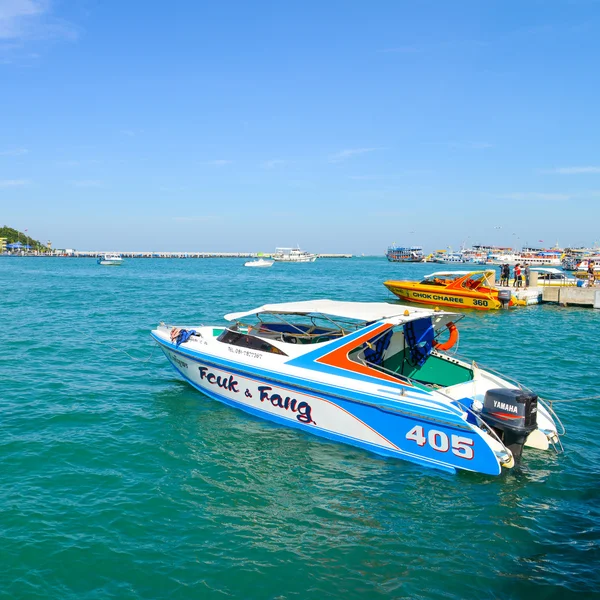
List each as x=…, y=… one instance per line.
x=383, y=369
x=493, y=371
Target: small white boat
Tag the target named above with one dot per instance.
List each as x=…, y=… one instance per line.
x=110, y=259
x=261, y=262
x=370, y=374
x=294, y=255
x=551, y=276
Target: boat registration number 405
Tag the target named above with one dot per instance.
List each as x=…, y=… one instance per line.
x=438, y=440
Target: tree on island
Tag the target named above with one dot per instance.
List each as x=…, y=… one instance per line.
x=13, y=235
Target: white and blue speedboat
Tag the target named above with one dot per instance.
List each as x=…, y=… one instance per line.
x=373, y=375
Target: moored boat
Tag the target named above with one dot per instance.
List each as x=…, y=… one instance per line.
x=583, y=266
x=373, y=375
x=448, y=257
x=553, y=277
x=460, y=289
x=293, y=255
x=405, y=253
x=110, y=259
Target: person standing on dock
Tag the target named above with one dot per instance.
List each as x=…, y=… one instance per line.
x=526, y=272
x=506, y=274
x=517, y=279
x=591, y=274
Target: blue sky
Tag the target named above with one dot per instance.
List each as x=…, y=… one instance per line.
x=340, y=126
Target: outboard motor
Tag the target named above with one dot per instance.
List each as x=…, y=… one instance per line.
x=504, y=297
x=513, y=415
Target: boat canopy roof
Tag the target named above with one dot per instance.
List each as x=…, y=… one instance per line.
x=546, y=270
x=361, y=311
x=441, y=273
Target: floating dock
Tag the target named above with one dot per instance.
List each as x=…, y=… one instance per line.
x=563, y=295
x=531, y=295
x=572, y=296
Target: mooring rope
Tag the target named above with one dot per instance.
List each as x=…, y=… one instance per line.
x=115, y=349
x=563, y=400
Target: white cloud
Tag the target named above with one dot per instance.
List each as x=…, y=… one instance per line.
x=132, y=132
x=574, y=170
x=76, y=163
x=528, y=196
x=6, y=183
x=349, y=153
x=14, y=152
x=271, y=164
x=218, y=163
x=32, y=20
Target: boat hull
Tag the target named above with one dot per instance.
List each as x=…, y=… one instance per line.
x=309, y=259
x=441, y=297
x=444, y=445
x=259, y=265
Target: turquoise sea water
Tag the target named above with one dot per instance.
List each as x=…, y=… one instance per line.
x=121, y=481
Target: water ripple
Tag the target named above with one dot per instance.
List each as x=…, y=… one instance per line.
x=121, y=481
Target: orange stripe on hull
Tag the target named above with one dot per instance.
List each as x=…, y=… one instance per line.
x=339, y=357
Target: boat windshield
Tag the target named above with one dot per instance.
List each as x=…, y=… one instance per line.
x=443, y=278
x=475, y=281
x=295, y=329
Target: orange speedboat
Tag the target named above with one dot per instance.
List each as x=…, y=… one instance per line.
x=468, y=289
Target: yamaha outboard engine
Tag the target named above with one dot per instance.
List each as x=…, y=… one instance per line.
x=504, y=296
x=513, y=415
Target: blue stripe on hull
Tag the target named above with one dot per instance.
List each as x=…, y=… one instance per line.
x=449, y=417
x=266, y=416
x=391, y=426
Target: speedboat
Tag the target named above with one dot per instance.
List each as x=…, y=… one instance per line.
x=373, y=375
x=110, y=259
x=463, y=289
x=293, y=255
x=261, y=262
x=552, y=276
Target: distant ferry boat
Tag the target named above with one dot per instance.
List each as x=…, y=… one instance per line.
x=540, y=258
x=405, y=254
x=294, y=255
x=449, y=257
